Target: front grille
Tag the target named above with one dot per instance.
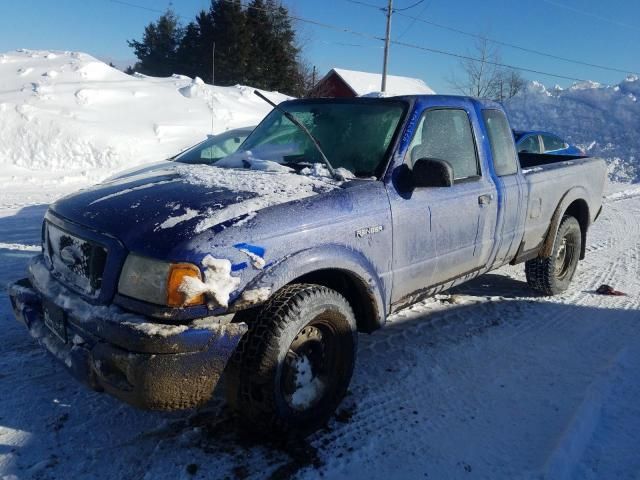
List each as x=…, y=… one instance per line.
x=77, y=262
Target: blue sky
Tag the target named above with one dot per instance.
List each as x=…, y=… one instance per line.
x=589, y=30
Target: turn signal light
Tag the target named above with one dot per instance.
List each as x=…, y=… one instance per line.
x=177, y=273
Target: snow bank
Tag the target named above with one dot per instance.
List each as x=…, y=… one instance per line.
x=602, y=120
x=65, y=116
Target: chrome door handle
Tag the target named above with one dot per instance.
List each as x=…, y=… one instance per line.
x=485, y=199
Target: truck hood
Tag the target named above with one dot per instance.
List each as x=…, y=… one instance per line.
x=156, y=208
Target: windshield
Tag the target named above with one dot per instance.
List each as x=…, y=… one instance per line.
x=354, y=135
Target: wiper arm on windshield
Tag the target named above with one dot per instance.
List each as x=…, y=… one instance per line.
x=298, y=124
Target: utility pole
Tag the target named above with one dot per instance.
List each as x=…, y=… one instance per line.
x=387, y=39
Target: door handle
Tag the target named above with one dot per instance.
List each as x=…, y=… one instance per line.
x=485, y=199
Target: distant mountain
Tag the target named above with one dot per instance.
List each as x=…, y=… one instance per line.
x=603, y=120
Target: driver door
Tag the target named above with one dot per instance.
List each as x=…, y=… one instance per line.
x=442, y=233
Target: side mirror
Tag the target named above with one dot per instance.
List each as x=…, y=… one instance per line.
x=432, y=172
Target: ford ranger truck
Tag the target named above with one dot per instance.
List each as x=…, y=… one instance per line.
x=264, y=265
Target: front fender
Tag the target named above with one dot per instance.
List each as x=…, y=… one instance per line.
x=327, y=257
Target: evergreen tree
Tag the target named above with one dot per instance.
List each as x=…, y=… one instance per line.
x=284, y=65
x=205, y=44
x=232, y=41
x=261, y=39
x=157, y=52
x=188, y=56
x=254, y=46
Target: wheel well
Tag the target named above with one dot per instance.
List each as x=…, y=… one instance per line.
x=580, y=211
x=353, y=289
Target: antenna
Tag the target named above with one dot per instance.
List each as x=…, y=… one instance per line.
x=213, y=73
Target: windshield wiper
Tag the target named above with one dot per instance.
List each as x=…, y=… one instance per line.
x=313, y=139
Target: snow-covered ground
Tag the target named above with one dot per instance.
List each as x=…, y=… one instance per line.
x=487, y=381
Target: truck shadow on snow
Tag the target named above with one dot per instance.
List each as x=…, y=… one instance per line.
x=25, y=226
x=17, y=232
x=415, y=380
x=495, y=285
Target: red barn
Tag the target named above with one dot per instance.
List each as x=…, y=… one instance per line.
x=349, y=83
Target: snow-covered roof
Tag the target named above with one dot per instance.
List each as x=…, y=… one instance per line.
x=363, y=83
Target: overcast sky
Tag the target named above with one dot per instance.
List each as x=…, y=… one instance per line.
x=592, y=31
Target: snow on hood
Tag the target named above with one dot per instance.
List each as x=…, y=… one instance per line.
x=174, y=202
x=268, y=189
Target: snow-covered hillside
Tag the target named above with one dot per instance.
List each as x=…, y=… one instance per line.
x=66, y=115
x=603, y=120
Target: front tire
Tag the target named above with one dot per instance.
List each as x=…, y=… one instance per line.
x=294, y=365
x=552, y=275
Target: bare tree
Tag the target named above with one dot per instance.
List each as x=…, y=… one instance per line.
x=509, y=83
x=481, y=75
x=484, y=78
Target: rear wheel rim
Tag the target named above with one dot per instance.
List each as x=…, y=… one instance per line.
x=565, y=257
x=309, y=365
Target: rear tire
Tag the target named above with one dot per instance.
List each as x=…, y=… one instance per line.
x=552, y=275
x=294, y=365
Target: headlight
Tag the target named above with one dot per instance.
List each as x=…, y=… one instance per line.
x=158, y=282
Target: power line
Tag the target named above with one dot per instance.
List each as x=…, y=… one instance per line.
x=358, y=2
x=500, y=42
x=141, y=7
x=422, y=48
x=319, y=24
x=497, y=64
x=590, y=14
x=409, y=7
x=517, y=47
x=413, y=22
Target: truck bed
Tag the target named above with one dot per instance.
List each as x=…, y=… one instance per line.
x=549, y=178
x=530, y=160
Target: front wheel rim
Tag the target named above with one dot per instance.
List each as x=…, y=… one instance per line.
x=309, y=364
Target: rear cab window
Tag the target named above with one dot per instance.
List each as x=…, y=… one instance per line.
x=446, y=134
x=530, y=144
x=503, y=151
x=552, y=143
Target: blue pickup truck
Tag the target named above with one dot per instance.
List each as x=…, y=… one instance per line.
x=264, y=265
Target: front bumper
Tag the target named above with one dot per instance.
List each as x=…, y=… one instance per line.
x=148, y=365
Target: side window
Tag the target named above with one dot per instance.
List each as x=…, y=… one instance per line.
x=221, y=149
x=446, y=135
x=505, y=159
x=530, y=144
x=552, y=143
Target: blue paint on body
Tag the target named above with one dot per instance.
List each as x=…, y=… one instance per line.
x=259, y=251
